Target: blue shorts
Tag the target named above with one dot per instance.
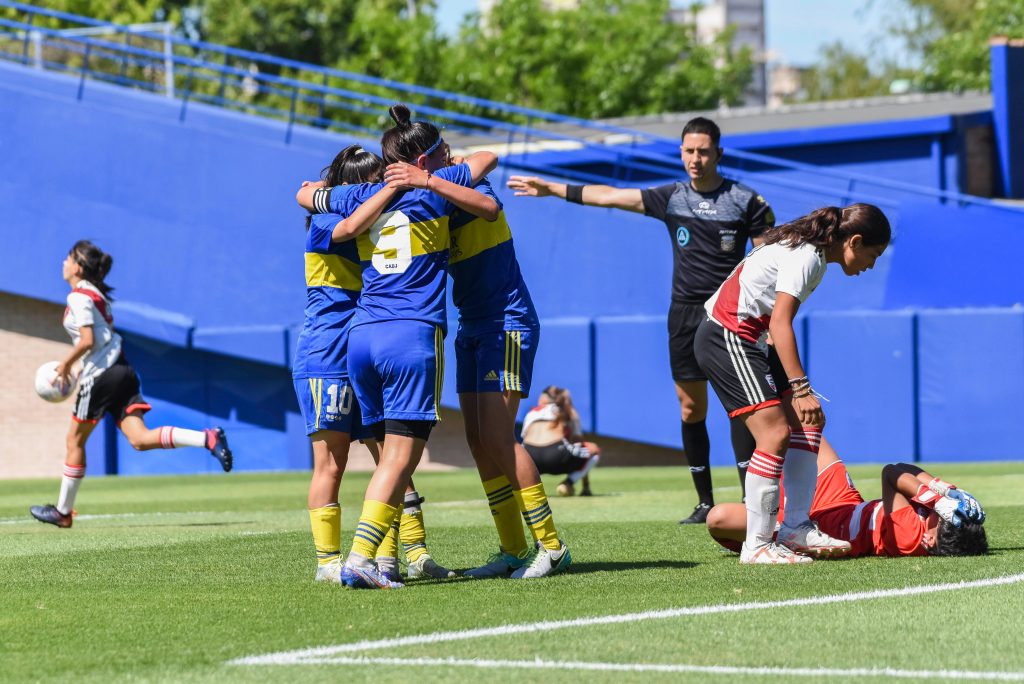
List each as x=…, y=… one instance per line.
x=330, y=404
x=397, y=369
x=500, y=361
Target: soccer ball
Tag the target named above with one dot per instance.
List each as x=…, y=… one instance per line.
x=46, y=383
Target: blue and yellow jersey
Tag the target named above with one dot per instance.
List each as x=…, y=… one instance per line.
x=333, y=282
x=405, y=253
x=488, y=287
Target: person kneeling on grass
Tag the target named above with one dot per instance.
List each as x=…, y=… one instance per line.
x=918, y=514
x=553, y=437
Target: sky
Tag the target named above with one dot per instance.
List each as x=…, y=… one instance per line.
x=795, y=29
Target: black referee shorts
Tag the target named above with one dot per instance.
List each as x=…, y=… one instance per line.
x=683, y=321
x=744, y=376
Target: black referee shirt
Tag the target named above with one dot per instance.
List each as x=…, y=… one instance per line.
x=709, y=231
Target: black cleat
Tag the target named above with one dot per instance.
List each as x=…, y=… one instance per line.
x=50, y=514
x=699, y=515
x=217, y=443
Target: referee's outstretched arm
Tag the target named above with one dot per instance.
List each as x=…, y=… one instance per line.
x=629, y=199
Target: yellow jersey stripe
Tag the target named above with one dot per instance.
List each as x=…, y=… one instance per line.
x=331, y=270
x=422, y=237
x=477, y=236
x=519, y=360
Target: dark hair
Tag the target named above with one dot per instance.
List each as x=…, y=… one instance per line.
x=562, y=398
x=95, y=264
x=407, y=139
x=967, y=540
x=353, y=165
x=828, y=225
x=702, y=126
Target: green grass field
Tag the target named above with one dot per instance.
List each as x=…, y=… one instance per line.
x=178, y=578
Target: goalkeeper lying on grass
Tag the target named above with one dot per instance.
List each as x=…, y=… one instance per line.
x=918, y=514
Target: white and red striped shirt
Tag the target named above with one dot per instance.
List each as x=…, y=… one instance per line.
x=88, y=306
x=745, y=301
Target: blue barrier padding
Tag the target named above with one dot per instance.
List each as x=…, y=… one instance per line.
x=263, y=343
x=863, y=361
x=102, y=457
x=971, y=384
x=149, y=321
x=564, y=358
x=955, y=261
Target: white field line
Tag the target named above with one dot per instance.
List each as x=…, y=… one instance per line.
x=156, y=514
x=301, y=656
x=886, y=672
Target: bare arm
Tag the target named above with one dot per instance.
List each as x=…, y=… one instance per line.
x=900, y=484
x=628, y=199
x=807, y=407
x=365, y=214
x=85, y=344
x=480, y=164
x=464, y=198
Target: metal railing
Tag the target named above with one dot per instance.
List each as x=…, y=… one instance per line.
x=307, y=95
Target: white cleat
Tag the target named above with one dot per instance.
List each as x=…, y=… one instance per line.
x=771, y=554
x=331, y=572
x=424, y=566
x=808, y=539
x=545, y=563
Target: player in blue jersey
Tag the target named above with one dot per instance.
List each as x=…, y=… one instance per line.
x=495, y=348
x=397, y=333
x=331, y=413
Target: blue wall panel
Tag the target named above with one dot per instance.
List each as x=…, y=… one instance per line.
x=971, y=384
x=864, y=363
x=564, y=358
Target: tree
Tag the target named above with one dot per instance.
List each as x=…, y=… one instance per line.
x=844, y=74
x=604, y=58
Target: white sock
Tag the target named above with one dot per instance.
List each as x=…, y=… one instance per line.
x=174, y=437
x=575, y=477
x=762, y=504
x=801, y=474
x=359, y=560
x=69, y=487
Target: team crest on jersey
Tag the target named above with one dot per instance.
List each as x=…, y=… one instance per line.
x=727, y=240
x=771, y=382
x=682, y=236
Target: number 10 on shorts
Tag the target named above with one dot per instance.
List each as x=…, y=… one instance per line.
x=340, y=398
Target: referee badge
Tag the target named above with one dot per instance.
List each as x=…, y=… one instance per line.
x=682, y=236
x=727, y=240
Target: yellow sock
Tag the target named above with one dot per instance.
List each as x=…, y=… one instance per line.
x=326, y=525
x=414, y=535
x=533, y=503
x=372, y=527
x=505, y=512
x=389, y=547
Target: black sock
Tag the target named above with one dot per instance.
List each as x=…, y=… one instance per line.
x=743, y=446
x=698, y=454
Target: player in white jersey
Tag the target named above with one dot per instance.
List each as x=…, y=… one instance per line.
x=760, y=298
x=553, y=437
x=107, y=383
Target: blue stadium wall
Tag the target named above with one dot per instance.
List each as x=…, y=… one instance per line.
x=923, y=358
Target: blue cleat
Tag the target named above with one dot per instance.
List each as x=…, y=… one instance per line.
x=50, y=514
x=366, y=577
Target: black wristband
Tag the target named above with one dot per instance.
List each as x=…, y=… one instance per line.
x=574, y=194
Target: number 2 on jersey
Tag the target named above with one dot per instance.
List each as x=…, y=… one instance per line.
x=391, y=236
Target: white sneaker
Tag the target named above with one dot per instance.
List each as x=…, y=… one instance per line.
x=424, y=566
x=771, y=554
x=808, y=539
x=545, y=563
x=331, y=572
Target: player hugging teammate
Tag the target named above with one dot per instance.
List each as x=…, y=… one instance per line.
x=402, y=230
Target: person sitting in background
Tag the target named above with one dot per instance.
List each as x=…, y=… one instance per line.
x=553, y=437
x=918, y=514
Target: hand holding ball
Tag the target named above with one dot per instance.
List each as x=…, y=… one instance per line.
x=49, y=386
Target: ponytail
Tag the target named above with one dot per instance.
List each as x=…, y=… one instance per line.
x=562, y=398
x=828, y=225
x=407, y=139
x=95, y=265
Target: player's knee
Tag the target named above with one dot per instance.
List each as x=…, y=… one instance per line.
x=776, y=437
x=716, y=520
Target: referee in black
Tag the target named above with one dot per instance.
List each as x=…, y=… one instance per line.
x=709, y=220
